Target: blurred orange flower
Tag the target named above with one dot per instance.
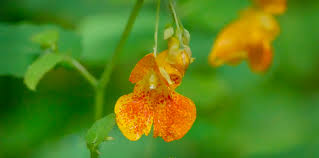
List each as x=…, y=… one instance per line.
x=272, y=6
x=250, y=38
x=154, y=100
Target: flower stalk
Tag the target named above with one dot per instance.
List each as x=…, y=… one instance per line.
x=179, y=25
x=100, y=85
x=105, y=78
x=156, y=26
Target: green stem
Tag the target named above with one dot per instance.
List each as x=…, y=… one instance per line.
x=99, y=92
x=85, y=73
x=172, y=8
x=179, y=26
x=94, y=154
x=109, y=67
x=99, y=102
x=156, y=26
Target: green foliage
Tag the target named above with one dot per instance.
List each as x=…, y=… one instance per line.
x=69, y=146
x=40, y=67
x=99, y=132
x=239, y=114
x=21, y=44
x=46, y=39
x=99, y=43
x=17, y=50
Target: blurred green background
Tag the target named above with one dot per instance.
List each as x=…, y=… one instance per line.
x=239, y=114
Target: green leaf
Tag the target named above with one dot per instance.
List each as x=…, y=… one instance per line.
x=98, y=133
x=40, y=67
x=47, y=38
x=21, y=44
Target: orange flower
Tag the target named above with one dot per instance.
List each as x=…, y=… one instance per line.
x=272, y=6
x=154, y=100
x=250, y=38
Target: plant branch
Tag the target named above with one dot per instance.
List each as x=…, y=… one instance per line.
x=109, y=67
x=83, y=71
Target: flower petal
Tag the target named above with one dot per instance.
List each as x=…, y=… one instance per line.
x=229, y=47
x=272, y=6
x=173, y=117
x=143, y=67
x=260, y=56
x=172, y=65
x=259, y=24
x=134, y=115
x=249, y=37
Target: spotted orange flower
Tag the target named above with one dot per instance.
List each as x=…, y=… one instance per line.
x=154, y=100
x=272, y=6
x=248, y=38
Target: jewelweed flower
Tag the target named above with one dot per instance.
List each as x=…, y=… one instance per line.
x=248, y=38
x=274, y=7
x=154, y=100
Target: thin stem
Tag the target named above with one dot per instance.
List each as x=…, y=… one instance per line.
x=156, y=26
x=85, y=73
x=109, y=67
x=172, y=8
x=94, y=154
x=99, y=102
x=178, y=25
